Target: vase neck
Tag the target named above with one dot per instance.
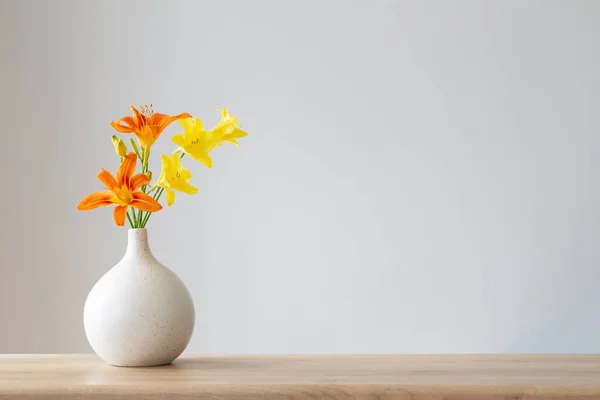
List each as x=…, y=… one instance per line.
x=137, y=243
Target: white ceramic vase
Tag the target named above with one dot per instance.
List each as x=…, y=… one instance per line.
x=139, y=314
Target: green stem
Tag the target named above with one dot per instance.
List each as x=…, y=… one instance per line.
x=132, y=219
x=135, y=148
x=146, y=219
x=129, y=219
x=156, y=197
x=145, y=156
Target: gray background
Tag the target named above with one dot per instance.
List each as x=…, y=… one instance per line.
x=420, y=176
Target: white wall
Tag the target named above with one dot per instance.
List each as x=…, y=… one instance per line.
x=420, y=176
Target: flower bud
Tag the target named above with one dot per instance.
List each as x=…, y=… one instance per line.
x=120, y=147
x=134, y=147
x=149, y=175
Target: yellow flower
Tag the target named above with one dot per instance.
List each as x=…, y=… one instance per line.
x=174, y=177
x=195, y=141
x=198, y=143
x=227, y=130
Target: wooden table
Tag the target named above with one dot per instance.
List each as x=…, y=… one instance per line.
x=409, y=377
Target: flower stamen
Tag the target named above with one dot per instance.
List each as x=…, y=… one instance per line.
x=147, y=111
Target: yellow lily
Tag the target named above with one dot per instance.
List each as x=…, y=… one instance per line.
x=227, y=130
x=198, y=143
x=174, y=177
x=195, y=141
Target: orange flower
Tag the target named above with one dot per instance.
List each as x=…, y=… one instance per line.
x=147, y=125
x=122, y=192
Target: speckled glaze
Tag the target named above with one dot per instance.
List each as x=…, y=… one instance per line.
x=139, y=314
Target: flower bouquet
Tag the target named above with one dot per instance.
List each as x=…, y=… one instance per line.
x=140, y=313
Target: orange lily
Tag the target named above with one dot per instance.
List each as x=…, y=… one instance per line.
x=147, y=125
x=122, y=192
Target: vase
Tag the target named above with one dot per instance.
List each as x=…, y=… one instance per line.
x=139, y=314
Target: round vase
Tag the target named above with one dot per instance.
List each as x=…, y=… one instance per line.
x=139, y=314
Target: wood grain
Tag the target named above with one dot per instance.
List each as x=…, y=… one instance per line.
x=403, y=377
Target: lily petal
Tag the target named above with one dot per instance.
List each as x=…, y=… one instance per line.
x=190, y=124
x=231, y=140
x=170, y=196
x=119, y=215
x=185, y=174
x=108, y=179
x=145, y=202
x=129, y=121
x=137, y=116
x=179, y=139
x=138, y=180
x=237, y=133
x=184, y=187
x=95, y=200
x=126, y=169
x=166, y=166
x=121, y=128
x=203, y=158
x=163, y=120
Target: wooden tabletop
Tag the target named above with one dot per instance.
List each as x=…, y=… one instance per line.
x=406, y=377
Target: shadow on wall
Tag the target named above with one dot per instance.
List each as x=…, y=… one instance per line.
x=547, y=301
x=561, y=332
